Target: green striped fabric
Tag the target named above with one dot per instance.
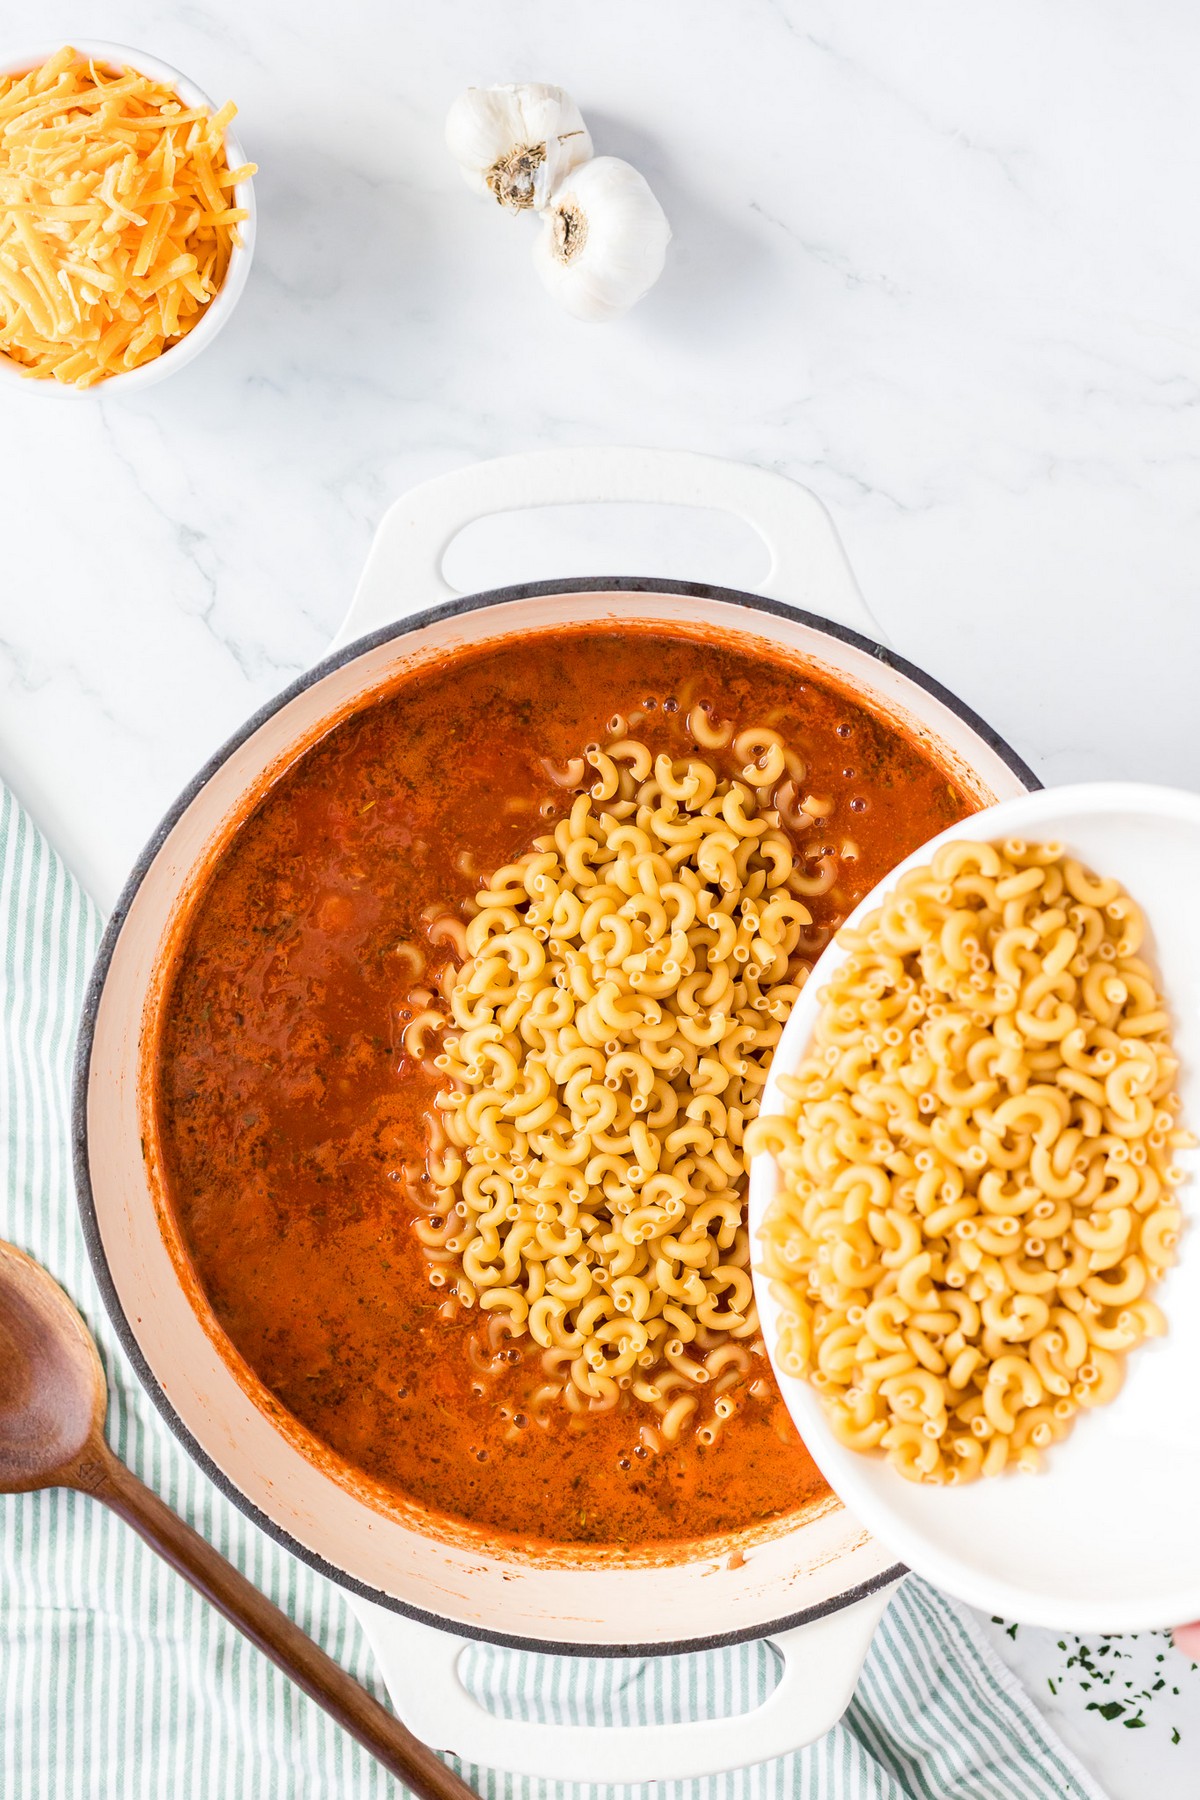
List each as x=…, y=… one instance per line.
x=118, y=1683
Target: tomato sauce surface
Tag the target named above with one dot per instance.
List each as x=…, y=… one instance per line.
x=287, y=1110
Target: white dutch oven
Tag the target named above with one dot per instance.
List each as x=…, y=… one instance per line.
x=815, y=1590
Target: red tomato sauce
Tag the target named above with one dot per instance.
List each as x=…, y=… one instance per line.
x=287, y=1110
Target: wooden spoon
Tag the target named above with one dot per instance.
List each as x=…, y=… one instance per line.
x=52, y=1405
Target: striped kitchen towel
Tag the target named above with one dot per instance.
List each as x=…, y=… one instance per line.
x=118, y=1683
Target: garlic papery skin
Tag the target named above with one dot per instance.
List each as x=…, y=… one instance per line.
x=517, y=143
x=603, y=240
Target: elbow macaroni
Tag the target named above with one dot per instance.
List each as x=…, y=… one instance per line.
x=977, y=1186
x=609, y=1030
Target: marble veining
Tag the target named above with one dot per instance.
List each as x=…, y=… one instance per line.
x=937, y=262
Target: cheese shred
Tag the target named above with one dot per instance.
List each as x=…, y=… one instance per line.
x=117, y=219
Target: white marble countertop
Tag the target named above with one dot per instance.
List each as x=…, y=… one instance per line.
x=940, y=263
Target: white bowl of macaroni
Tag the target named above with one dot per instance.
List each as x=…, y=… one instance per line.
x=1100, y=1533
x=177, y=351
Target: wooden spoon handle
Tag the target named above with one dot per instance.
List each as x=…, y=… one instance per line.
x=275, y=1634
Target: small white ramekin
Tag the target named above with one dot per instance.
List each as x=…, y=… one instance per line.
x=223, y=301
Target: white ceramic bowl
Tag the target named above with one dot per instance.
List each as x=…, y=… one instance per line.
x=226, y=298
x=1106, y=1537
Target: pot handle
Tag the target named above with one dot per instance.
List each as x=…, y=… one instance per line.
x=403, y=573
x=822, y=1661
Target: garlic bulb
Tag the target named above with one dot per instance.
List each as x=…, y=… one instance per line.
x=516, y=143
x=603, y=241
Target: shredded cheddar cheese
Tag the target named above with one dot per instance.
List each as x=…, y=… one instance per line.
x=116, y=222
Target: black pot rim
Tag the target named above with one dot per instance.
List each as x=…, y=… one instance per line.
x=467, y=603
